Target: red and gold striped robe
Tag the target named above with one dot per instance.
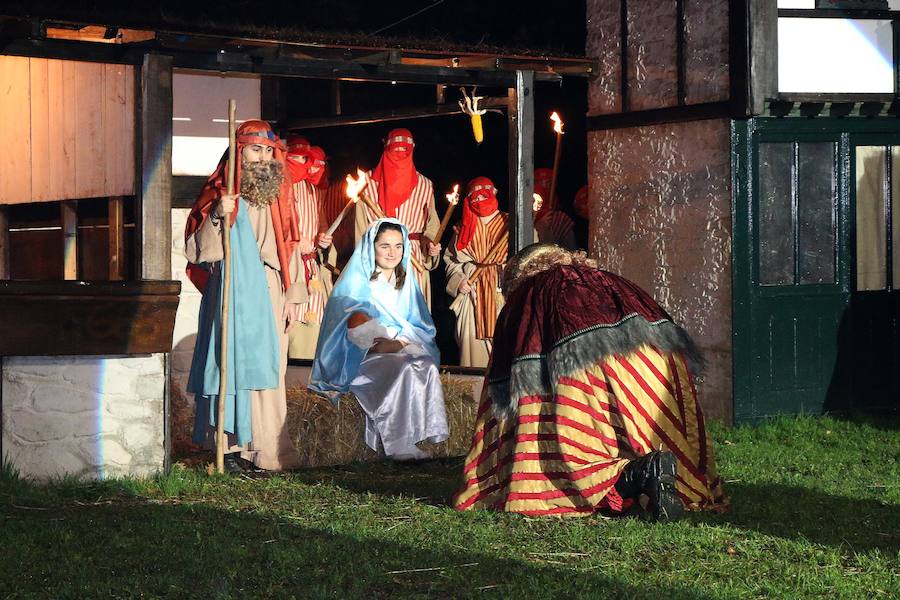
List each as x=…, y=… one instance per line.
x=561, y=454
x=333, y=201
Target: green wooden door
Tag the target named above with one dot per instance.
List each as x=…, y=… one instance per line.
x=805, y=340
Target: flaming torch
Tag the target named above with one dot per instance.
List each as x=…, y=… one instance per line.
x=354, y=186
x=452, y=201
x=558, y=128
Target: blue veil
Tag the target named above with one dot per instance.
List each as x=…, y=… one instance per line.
x=337, y=358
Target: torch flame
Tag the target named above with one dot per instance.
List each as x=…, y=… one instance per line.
x=355, y=186
x=453, y=197
x=538, y=201
x=557, y=123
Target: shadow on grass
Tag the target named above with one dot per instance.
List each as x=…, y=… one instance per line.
x=132, y=548
x=431, y=482
x=803, y=514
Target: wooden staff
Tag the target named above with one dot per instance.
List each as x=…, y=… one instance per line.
x=226, y=284
x=495, y=251
x=379, y=214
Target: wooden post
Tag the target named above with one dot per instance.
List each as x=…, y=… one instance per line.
x=116, y=224
x=69, y=218
x=4, y=243
x=153, y=215
x=521, y=161
x=336, y=108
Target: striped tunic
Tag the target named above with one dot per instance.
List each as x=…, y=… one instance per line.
x=419, y=216
x=485, y=248
x=561, y=454
x=556, y=228
x=307, y=197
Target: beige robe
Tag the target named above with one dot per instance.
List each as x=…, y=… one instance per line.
x=459, y=265
x=420, y=217
x=271, y=448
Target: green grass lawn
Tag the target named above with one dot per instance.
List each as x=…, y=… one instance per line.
x=815, y=514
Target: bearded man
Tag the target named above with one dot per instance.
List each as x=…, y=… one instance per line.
x=407, y=195
x=589, y=400
x=267, y=289
x=551, y=225
x=306, y=167
x=478, y=244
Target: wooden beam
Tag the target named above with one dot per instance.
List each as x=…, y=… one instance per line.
x=69, y=218
x=153, y=214
x=521, y=161
x=658, y=116
x=116, y=224
x=4, y=242
x=763, y=67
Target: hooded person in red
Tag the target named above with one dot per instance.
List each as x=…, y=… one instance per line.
x=404, y=193
x=551, y=225
x=306, y=167
x=477, y=242
x=268, y=218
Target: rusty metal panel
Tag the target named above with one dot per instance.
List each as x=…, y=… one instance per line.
x=661, y=216
x=652, y=69
x=602, y=43
x=706, y=50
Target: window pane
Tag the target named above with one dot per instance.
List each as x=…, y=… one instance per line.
x=871, y=246
x=815, y=212
x=776, y=233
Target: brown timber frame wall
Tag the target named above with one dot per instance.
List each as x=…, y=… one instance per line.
x=659, y=167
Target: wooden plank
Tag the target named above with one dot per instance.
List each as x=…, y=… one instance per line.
x=521, y=161
x=116, y=237
x=69, y=218
x=90, y=167
x=15, y=107
x=41, y=184
x=113, y=100
x=66, y=104
x=153, y=217
x=87, y=318
x=4, y=242
x=129, y=137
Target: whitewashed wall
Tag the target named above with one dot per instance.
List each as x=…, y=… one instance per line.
x=85, y=416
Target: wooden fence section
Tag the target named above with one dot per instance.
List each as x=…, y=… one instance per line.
x=69, y=130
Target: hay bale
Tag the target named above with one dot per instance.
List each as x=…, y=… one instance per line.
x=326, y=435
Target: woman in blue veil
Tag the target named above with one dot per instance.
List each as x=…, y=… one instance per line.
x=377, y=342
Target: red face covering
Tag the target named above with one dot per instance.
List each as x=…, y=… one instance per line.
x=284, y=215
x=298, y=149
x=542, y=179
x=581, y=202
x=316, y=166
x=481, y=201
x=395, y=173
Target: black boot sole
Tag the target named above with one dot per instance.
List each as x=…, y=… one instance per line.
x=665, y=504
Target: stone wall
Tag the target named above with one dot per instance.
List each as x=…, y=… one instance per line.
x=85, y=416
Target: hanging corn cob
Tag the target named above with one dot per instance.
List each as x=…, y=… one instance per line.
x=469, y=106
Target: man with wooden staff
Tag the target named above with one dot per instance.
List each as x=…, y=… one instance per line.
x=473, y=259
x=405, y=194
x=306, y=166
x=551, y=225
x=266, y=291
